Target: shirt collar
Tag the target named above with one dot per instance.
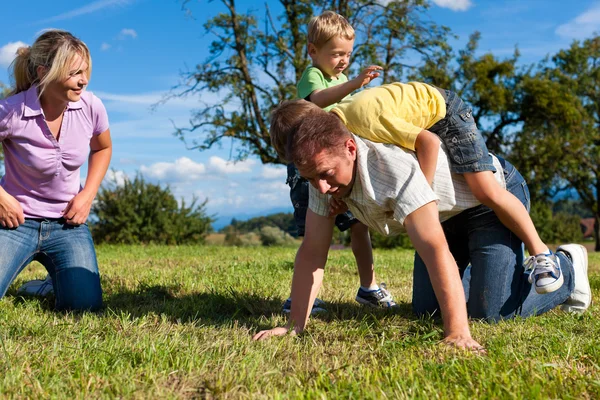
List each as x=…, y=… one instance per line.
x=33, y=108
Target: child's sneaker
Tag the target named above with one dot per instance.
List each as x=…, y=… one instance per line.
x=376, y=298
x=318, y=306
x=544, y=272
x=581, y=297
x=37, y=287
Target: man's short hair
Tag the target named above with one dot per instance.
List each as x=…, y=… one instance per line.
x=285, y=118
x=328, y=25
x=316, y=132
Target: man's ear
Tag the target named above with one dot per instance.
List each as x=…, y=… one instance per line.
x=351, y=148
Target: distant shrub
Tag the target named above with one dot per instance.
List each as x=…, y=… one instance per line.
x=142, y=212
x=379, y=241
x=273, y=236
x=555, y=228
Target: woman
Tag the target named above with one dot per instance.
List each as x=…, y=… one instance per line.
x=48, y=127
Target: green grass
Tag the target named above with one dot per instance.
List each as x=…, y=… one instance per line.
x=178, y=324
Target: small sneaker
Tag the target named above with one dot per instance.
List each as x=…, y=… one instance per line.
x=376, y=298
x=318, y=306
x=581, y=297
x=544, y=272
x=37, y=287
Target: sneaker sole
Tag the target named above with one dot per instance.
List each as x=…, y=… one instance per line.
x=366, y=302
x=551, y=287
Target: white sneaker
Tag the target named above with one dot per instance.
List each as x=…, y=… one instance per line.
x=544, y=272
x=581, y=297
x=37, y=287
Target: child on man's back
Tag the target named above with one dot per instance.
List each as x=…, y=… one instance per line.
x=330, y=43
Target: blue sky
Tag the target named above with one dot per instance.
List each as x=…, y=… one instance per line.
x=140, y=46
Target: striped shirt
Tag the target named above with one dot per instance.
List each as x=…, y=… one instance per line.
x=389, y=185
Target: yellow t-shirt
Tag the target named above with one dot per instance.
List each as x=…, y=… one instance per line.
x=394, y=113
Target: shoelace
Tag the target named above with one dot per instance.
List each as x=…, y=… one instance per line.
x=540, y=264
x=387, y=295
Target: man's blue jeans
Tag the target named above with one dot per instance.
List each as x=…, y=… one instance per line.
x=497, y=287
x=66, y=251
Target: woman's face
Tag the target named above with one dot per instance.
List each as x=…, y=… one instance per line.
x=70, y=88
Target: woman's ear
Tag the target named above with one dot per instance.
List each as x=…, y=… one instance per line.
x=41, y=72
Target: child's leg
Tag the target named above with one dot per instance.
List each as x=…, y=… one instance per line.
x=369, y=293
x=510, y=211
x=361, y=247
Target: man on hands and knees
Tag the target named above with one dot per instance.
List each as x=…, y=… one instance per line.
x=384, y=187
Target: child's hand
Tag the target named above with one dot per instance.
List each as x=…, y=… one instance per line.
x=337, y=207
x=367, y=75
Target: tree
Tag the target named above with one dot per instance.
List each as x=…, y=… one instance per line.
x=493, y=87
x=559, y=145
x=254, y=67
x=142, y=212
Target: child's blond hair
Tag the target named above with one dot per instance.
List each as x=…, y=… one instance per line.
x=328, y=25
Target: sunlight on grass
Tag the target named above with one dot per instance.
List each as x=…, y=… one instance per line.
x=178, y=323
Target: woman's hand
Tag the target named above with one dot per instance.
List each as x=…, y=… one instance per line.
x=11, y=212
x=78, y=209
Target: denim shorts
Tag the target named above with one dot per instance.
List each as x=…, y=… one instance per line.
x=465, y=145
x=299, y=196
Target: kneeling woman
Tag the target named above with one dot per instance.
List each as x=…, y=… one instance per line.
x=48, y=128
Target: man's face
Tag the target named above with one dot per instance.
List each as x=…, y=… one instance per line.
x=332, y=172
x=333, y=57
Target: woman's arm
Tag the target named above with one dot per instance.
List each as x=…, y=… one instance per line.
x=78, y=209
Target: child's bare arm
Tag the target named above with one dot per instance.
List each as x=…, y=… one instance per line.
x=427, y=147
x=326, y=97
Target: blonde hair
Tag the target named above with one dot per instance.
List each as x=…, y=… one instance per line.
x=285, y=119
x=53, y=49
x=328, y=25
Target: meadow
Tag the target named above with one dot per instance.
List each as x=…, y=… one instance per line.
x=178, y=323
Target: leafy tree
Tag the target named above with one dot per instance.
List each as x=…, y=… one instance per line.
x=555, y=228
x=493, y=87
x=255, y=64
x=559, y=145
x=142, y=212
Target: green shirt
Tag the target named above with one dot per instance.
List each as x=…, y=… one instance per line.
x=313, y=79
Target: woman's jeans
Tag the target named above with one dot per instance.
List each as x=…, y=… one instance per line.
x=66, y=251
x=496, y=287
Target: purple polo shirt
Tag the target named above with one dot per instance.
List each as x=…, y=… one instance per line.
x=41, y=172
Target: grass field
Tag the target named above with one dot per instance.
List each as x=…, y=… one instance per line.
x=178, y=324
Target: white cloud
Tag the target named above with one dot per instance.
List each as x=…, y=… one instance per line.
x=88, y=9
x=8, y=52
x=113, y=177
x=105, y=46
x=454, y=5
x=182, y=170
x=270, y=172
x=219, y=165
x=582, y=26
x=127, y=33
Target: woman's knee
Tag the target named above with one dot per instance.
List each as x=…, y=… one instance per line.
x=78, y=289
